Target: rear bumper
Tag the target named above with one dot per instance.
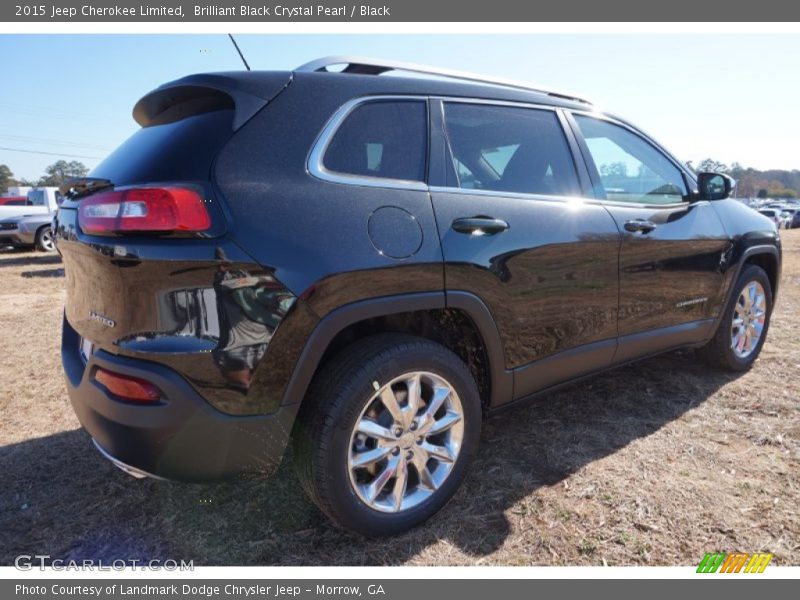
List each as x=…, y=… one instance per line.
x=130, y=470
x=183, y=438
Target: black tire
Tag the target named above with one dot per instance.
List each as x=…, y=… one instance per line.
x=335, y=401
x=44, y=240
x=719, y=351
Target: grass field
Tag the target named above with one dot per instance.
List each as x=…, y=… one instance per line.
x=654, y=463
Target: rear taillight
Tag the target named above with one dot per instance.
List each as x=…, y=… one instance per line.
x=128, y=388
x=144, y=210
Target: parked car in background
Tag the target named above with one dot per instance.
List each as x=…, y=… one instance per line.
x=31, y=231
x=774, y=214
x=44, y=200
x=13, y=201
x=791, y=217
x=371, y=264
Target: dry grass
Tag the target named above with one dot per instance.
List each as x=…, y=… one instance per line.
x=654, y=463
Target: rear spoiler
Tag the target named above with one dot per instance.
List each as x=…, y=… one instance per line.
x=244, y=92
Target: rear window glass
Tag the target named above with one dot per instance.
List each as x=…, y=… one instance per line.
x=176, y=151
x=381, y=139
x=36, y=198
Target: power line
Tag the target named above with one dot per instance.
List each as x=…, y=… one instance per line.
x=53, y=141
x=63, y=155
x=56, y=110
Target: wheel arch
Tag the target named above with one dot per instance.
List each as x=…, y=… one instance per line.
x=766, y=256
x=347, y=323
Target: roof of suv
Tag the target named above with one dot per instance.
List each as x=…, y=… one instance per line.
x=249, y=91
x=373, y=84
x=252, y=89
x=368, y=66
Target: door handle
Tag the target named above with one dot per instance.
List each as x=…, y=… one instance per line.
x=640, y=225
x=479, y=225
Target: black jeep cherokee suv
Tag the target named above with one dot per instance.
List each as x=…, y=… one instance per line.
x=369, y=264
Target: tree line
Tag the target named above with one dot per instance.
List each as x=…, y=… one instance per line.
x=55, y=175
x=750, y=183
x=753, y=183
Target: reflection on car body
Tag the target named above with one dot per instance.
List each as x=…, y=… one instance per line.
x=249, y=308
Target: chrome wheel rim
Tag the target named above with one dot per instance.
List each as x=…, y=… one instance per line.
x=749, y=316
x=47, y=240
x=405, y=442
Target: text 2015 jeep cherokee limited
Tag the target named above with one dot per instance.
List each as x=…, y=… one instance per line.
x=368, y=264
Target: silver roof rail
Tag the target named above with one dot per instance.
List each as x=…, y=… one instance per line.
x=371, y=66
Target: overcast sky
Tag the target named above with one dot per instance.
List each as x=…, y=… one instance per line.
x=733, y=98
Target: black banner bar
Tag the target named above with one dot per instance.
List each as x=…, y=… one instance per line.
x=386, y=589
x=711, y=11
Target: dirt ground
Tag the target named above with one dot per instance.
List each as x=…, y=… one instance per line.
x=655, y=463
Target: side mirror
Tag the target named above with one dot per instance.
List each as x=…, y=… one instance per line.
x=714, y=186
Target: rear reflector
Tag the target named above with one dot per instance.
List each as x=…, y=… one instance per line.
x=144, y=209
x=128, y=388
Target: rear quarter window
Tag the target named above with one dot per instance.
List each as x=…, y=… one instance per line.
x=385, y=139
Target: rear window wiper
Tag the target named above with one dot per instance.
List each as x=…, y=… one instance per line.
x=83, y=186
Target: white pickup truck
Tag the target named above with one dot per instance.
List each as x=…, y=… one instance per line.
x=42, y=200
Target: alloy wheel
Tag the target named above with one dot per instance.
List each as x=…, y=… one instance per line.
x=749, y=316
x=405, y=442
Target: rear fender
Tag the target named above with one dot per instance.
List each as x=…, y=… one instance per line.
x=339, y=319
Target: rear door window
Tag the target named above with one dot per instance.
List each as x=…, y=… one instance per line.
x=509, y=149
x=386, y=139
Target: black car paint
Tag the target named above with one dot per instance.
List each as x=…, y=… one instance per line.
x=173, y=439
x=564, y=292
x=676, y=262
